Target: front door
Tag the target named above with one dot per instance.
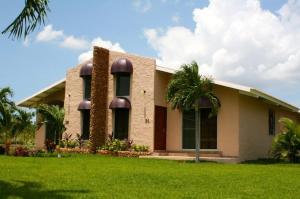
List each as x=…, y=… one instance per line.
x=160, y=128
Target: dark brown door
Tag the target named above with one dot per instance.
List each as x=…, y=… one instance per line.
x=160, y=128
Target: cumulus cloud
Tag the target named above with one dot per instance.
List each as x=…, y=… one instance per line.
x=142, y=5
x=101, y=43
x=75, y=43
x=238, y=41
x=49, y=34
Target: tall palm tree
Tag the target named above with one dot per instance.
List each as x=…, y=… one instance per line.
x=32, y=15
x=185, y=91
x=53, y=117
x=286, y=145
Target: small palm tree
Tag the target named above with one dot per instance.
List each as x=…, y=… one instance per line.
x=185, y=91
x=21, y=121
x=33, y=14
x=53, y=117
x=286, y=145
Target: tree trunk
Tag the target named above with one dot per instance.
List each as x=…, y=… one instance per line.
x=197, y=133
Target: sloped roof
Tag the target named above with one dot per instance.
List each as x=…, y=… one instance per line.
x=245, y=90
x=35, y=98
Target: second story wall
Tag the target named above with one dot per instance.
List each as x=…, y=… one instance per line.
x=141, y=117
x=73, y=96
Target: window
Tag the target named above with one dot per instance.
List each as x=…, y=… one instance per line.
x=208, y=135
x=123, y=85
x=85, y=115
x=87, y=87
x=121, y=124
x=271, y=122
x=188, y=129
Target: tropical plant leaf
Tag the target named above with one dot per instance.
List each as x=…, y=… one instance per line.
x=33, y=14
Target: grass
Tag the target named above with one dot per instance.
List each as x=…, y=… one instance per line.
x=93, y=176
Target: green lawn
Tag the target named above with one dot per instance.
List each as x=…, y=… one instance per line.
x=93, y=176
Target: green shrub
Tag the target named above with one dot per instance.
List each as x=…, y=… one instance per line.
x=115, y=145
x=286, y=145
x=140, y=148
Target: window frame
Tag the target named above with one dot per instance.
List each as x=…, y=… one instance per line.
x=117, y=84
x=271, y=122
x=87, y=87
x=83, y=123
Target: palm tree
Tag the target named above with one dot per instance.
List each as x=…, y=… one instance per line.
x=6, y=114
x=5, y=94
x=21, y=121
x=32, y=15
x=53, y=117
x=286, y=145
x=185, y=91
x=13, y=120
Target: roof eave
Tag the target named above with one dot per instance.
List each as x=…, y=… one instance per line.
x=30, y=101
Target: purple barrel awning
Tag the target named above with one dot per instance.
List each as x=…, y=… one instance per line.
x=120, y=103
x=84, y=105
x=86, y=70
x=204, y=102
x=121, y=65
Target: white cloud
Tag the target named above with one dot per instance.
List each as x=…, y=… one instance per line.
x=101, y=43
x=75, y=43
x=142, y=5
x=175, y=18
x=48, y=34
x=26, y=42
x=237, y=40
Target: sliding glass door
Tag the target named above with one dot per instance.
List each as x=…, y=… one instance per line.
x=208, y=138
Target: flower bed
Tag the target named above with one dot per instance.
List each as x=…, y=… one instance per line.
x=73, y=150
x=123, y=153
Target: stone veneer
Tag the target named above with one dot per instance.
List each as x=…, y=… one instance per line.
x=99, y=104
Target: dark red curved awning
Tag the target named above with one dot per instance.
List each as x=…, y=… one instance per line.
x=204, y=102
x=86, y=70
x=84, y=105
x=120, y=102
x=121, y=65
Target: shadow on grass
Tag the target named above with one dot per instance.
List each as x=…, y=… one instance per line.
x=267, y=161
x=33, y=190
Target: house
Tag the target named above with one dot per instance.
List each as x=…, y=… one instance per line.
x=124, y=95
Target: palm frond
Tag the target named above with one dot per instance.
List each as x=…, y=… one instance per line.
x=187, y=87
x=33, y=14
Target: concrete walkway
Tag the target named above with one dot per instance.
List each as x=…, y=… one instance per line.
x=188, y=158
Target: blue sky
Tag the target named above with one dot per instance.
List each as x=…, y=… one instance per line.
x=139, y=27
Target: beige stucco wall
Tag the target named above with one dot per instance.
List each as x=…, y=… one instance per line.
x=227, y=121
x=40, y=136
x=255, y=141
x=160, y=88
x=142, y=103
x=73, y=96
